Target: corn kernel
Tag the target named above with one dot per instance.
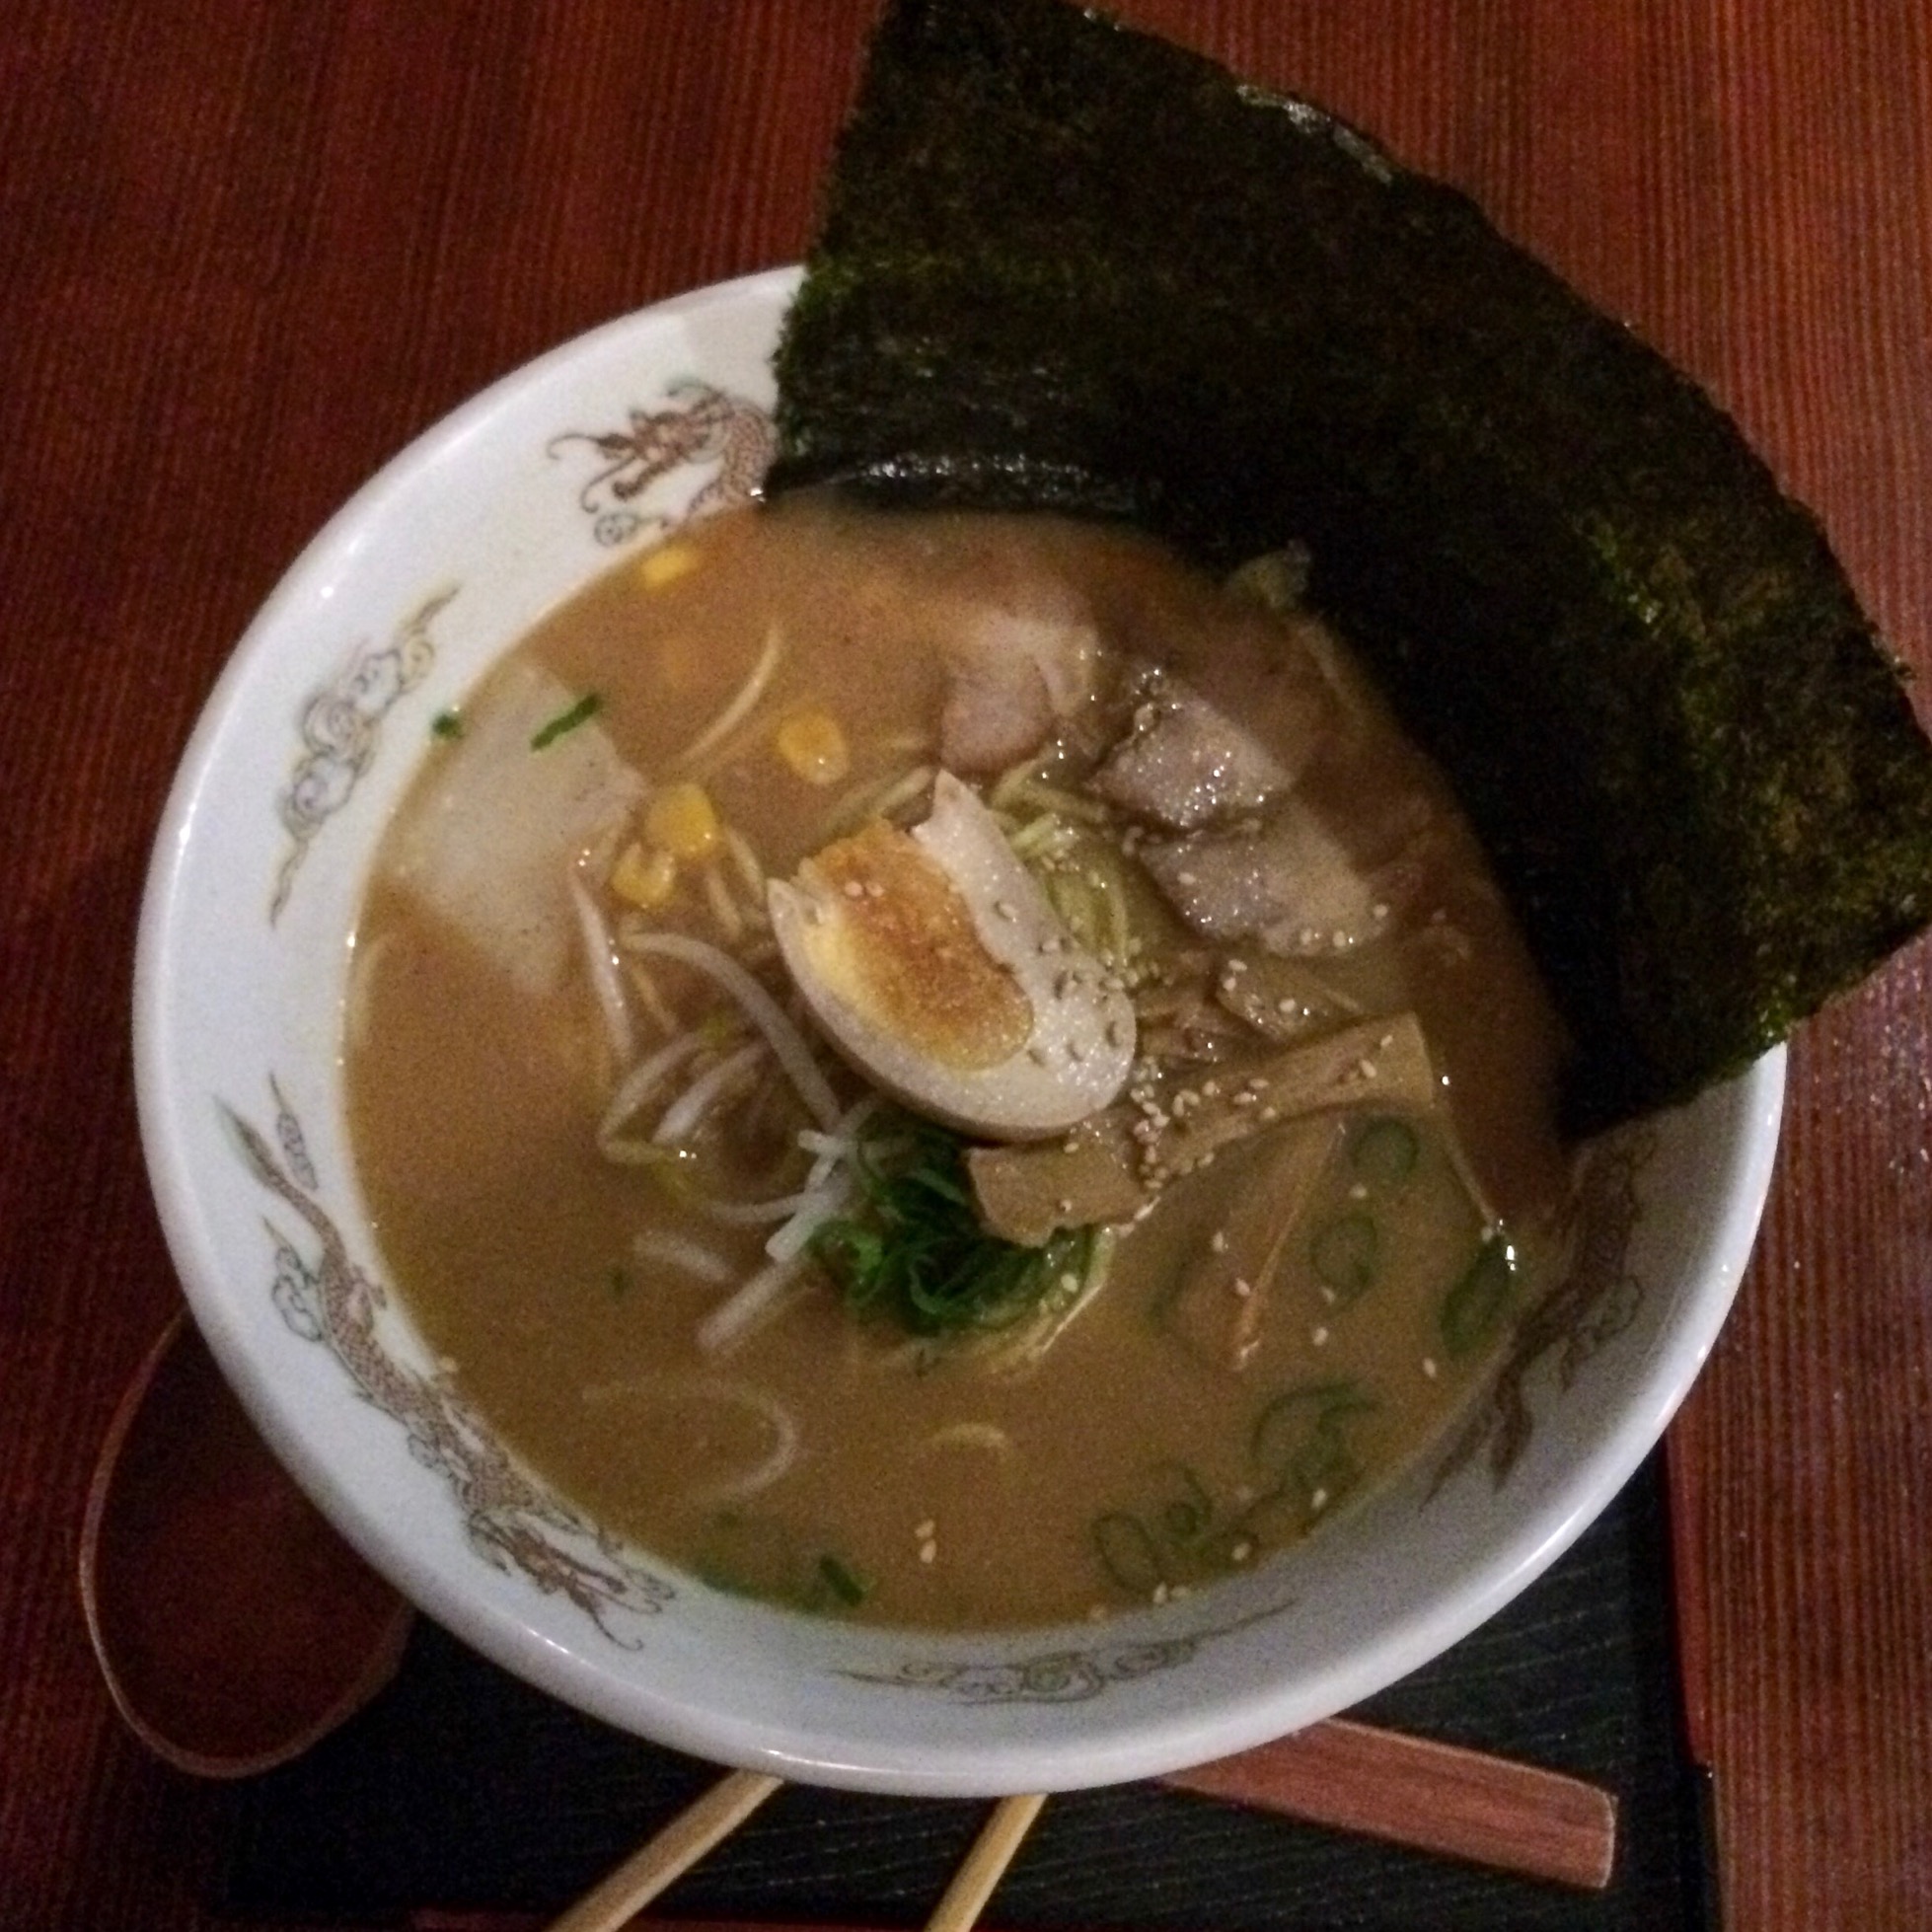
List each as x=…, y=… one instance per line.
x=646, y=878
x=658, y=568
x=683, y=820
x=812, y=744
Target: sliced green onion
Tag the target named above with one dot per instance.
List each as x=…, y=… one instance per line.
x=1384, y=1151
x=1347, y=1256
x=843, y=1583
x=1474, y=1307
x=581, y=712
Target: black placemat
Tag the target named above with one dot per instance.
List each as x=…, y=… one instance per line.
x=462, y=1788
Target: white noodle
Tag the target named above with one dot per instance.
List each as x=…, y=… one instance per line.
x=687, y=1112
x=740, y=708
x=678, y=1251
x=877, y=799
x=756, y=1302
x=794, y=1055
x=637, y=1086
x=671, y=1389
x=911, y=786
x=604, y=977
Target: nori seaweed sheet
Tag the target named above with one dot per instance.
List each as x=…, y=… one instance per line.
x=1068, y=267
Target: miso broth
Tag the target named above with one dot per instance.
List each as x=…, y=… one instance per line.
x=1237, y=1349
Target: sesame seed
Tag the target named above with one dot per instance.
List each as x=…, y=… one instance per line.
x=1329, y=1296
x=873, y=889
x=929, y=1552
x=1243, y=1288
x=1218, y=1240
x=854, y=889
x=1319, y=1499
x=1242, y=1550
x=1161, y=1593
x=1360, y=1191
x=1320, y=1337
x=1429, y=1366
x=1064, y=1206
x=925, y=1531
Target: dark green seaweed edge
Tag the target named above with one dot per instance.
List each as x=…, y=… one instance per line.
x=1065, y=267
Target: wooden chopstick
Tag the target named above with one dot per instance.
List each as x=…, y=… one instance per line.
x=670, y=1854
x=1356, y=1778
x=959, y=1907
x=1433, y=1796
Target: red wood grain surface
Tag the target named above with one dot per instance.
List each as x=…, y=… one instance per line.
x=248, y=250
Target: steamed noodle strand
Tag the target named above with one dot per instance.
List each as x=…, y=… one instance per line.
x=679, y=1251
x=740, y=708
x=787, y=1041
x=684, y=1392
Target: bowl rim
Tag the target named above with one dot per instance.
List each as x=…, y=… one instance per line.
x=1157, y=1742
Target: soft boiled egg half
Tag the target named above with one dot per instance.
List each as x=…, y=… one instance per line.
x=937, y=965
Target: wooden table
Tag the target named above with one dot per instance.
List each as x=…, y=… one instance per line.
x=248, y=250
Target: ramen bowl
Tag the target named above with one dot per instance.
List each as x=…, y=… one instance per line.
x=306, y=746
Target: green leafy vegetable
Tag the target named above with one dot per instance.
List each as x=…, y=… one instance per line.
x=446, y=725
x=843, y=1582
x=916, y=1253
x=1066, y=267
x=581, y=712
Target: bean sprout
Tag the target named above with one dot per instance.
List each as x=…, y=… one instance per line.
x=637, y=1086
x=756, y=1302
x=686, y=1114
x=787, y=1041
x=604, y=979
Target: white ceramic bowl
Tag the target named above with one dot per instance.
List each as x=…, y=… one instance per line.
x=304, y=748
